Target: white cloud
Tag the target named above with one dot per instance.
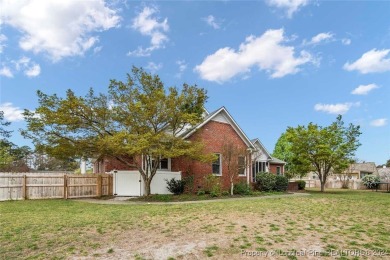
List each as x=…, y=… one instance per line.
x=371, y=62
x=321, y=37
x=3, y=39
x=153, y=67
x=379, y=122
x=24, y=64
x=97, y=49
x=33, y=71
x=210, y=20
x=182, y=67
x=148, y=25
x=6, y=72
x=346, y=41
x=58, y=28
x=29, y=68
x=267, y=52
x=364, y=89
x=291, y=6
x=335, y=108
x=11, y=113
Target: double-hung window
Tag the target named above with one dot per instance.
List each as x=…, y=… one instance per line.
x=217, y=165
x=241, y=165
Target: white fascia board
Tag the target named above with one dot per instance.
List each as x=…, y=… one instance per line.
x=257, y=140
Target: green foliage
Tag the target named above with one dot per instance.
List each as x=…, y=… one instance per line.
x=320, y=149
x=301, y=184
x=215, y=193
x=371, y=181
x=242, y=188
x=175, y=186
x=212, y=185
x=6, y=158
x=225, y=193
x=201, y=192
x=189, y=182
x=283, y=152
x=281, y=183
x=4, y=133
x=14, y=158
x=43, y=162
x=265, y=181
x=137, y=117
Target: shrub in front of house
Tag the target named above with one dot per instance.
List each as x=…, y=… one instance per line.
x=265, y=181
x=175, y=186
x=242, y=188
x=371, y=181
x=281, y=183
x=201, y=192
x=301, y=184
x=225, y=193
x=212, y=185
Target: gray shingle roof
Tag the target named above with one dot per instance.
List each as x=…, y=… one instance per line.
x=276, y=160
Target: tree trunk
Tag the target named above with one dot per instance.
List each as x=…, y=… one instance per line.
x=147, y=186
x=322, y=185
x=231, y=188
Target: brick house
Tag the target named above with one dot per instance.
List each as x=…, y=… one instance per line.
x=214, y=130
x=264, y=162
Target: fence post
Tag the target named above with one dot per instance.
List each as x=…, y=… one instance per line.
x=99, y=186
x=65, y=187
x=110, y=182
x=24, y=191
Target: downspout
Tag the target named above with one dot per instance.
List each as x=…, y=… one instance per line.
x=249, y=166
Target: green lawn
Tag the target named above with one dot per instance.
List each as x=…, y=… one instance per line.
x=321, y=224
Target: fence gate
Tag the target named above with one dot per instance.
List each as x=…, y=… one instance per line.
x=127, y=183
x=130, y=183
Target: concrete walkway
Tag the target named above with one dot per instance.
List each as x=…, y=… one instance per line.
x=128, y=201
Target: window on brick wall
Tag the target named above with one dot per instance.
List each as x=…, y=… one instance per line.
x=278, y=170
x=241, y=165
x=164, y=164
x=217, y=165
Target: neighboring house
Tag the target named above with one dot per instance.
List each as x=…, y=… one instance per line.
x=216, y=128
x=359, y=170
x=384, y=173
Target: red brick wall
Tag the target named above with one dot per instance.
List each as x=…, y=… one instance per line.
x=272, y=168
x=108, y=164
x=213, y=135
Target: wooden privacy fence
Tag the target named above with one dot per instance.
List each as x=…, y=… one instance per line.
x=42, y=186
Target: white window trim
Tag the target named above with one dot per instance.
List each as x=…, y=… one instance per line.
x=280, y=170
x=245, y=168
x=220, y=165
x=169, y=165
x=159, y=166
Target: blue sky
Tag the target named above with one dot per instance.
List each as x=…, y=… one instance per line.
x=272, y=64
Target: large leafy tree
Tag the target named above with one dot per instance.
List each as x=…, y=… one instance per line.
x=44, y=162
x=138, y=122
x=283, y=151
x=12, y=157
x=6, y=157
x=322, y=149
x=4, y=133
